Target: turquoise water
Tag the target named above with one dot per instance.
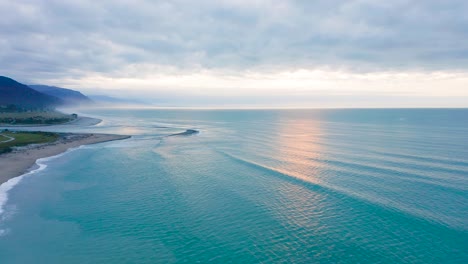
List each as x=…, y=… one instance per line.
x=254, y=186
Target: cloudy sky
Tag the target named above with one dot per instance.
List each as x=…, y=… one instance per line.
x=299, y=53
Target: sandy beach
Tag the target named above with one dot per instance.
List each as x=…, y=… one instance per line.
x=21, y=160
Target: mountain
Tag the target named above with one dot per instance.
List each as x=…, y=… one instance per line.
x=68, y=96
x=22, y=96
x=114, y=100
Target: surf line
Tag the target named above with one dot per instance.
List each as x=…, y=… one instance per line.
x=39, y=166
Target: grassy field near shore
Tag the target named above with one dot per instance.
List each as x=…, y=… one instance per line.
x=9, y=139
x=36, y=117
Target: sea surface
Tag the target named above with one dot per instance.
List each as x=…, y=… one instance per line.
x=253, y=186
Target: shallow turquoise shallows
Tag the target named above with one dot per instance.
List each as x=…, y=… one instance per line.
x=254, y=186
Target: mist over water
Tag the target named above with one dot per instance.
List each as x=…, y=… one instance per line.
x=254, y=186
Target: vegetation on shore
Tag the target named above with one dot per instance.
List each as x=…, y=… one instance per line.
x=35, y=118
x=11, y=139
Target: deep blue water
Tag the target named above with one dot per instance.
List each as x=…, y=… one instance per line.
x=254, y=186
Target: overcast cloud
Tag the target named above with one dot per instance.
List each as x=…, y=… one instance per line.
x=117, y=45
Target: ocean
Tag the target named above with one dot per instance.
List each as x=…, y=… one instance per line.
x=253, y=186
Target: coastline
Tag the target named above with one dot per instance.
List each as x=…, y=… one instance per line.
x=21, y=160
x=81, y=120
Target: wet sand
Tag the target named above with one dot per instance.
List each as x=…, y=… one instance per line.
x=21, y=160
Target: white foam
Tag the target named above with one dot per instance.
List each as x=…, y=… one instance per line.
x=4, y=188
x=7, y=186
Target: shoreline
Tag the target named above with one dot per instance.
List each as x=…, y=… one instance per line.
x=81, y=119
x=22, y=159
